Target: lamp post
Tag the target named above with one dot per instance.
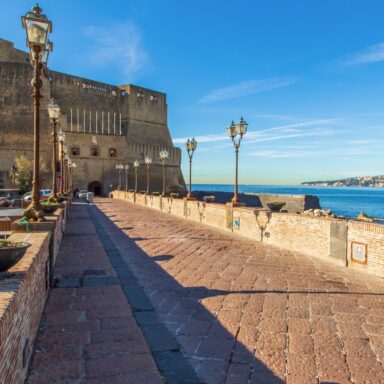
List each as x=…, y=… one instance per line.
x=236, y=133
x=71, y=167
x=54, y=114
x=64, y=165
x=136, y=164
x=61, y=141
x=148, y=162
x=74, y=166
x=164, y=157
x=119, y=167
x=66, y=173
x=69, y=173
x=37, y=27
x=190, y=146
x=126, y=167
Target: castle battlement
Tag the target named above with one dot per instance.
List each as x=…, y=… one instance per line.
x=128, y=121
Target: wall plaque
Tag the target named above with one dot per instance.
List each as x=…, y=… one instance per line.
x=359, y=252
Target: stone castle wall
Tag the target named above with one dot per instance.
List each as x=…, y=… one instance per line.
x=129, y=119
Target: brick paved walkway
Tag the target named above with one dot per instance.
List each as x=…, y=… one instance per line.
x=88, y=333
x=245, y=313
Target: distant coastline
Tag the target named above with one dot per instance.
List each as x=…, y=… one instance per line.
x=358, y=181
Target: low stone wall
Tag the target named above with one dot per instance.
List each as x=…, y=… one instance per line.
x=334, y=240
x=366, y=246
x=293, y=203
x=22, y=298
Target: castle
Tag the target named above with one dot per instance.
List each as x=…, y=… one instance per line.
x=104, y=125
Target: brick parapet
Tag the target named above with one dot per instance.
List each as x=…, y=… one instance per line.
x=326, y=238
x=22, y=299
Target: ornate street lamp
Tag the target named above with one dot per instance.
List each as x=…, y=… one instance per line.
x=136, y=164
x=126, y=167
x=37, y=27
x=164, y=154
x=54, y=114
x=236, y=133
x=61, y=141
x=69, y=173
x=148, y=162
x=71, y=167
x=66, y=173
x=119, y=167
x=190, y=146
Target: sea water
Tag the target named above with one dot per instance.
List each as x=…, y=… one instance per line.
x=347, y=201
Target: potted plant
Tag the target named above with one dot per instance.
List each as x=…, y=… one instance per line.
x=276, y=206
x=49, y=207
x=209, y=199
x=10, y=253
x=57, y=199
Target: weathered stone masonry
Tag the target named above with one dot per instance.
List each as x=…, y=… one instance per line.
x=104, y=125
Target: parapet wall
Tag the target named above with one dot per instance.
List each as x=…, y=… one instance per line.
x=23, y=296
x=347, y=243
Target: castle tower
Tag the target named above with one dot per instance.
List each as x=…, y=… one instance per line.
x=104, y=125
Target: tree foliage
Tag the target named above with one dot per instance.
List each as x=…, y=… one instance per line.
x=23, y=175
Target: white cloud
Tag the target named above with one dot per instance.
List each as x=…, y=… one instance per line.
x=372, y=54
x=245, y=88
x=118, y=47
x=286, y=153
x=274, y=133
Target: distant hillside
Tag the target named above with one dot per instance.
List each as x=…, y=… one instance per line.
x=359, y=181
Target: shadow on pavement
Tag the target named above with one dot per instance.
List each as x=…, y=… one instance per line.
x=189, y=344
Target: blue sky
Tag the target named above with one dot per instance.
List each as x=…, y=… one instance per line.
x=308, y=76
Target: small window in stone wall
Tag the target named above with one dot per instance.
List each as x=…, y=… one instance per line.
x=112, y=152
x=75, y=151
x=95, y=151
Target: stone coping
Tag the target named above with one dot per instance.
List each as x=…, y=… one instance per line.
x=9, y=286
x=45, y=226
x=244, y=209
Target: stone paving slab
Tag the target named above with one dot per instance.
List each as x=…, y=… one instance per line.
x=243, y=312
x=88, y=334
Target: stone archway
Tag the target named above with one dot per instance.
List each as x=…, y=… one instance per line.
x=95, y=187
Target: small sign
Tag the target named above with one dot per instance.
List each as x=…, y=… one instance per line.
x=236, y=223
x=359, y=252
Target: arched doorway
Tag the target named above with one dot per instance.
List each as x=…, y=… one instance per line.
x=95, y=187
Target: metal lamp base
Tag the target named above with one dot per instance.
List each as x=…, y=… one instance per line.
x=34, y=213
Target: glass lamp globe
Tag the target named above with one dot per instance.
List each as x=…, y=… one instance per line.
x=53, y=109
x=164, y=154
x=47, y=50
x=37, y=27
x=126, y=166
x=193, y=144
x=231, y=130
x=136, y=163
x=241, y=127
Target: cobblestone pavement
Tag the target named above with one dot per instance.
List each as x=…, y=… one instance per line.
x=88, y=334
x=246, y=313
